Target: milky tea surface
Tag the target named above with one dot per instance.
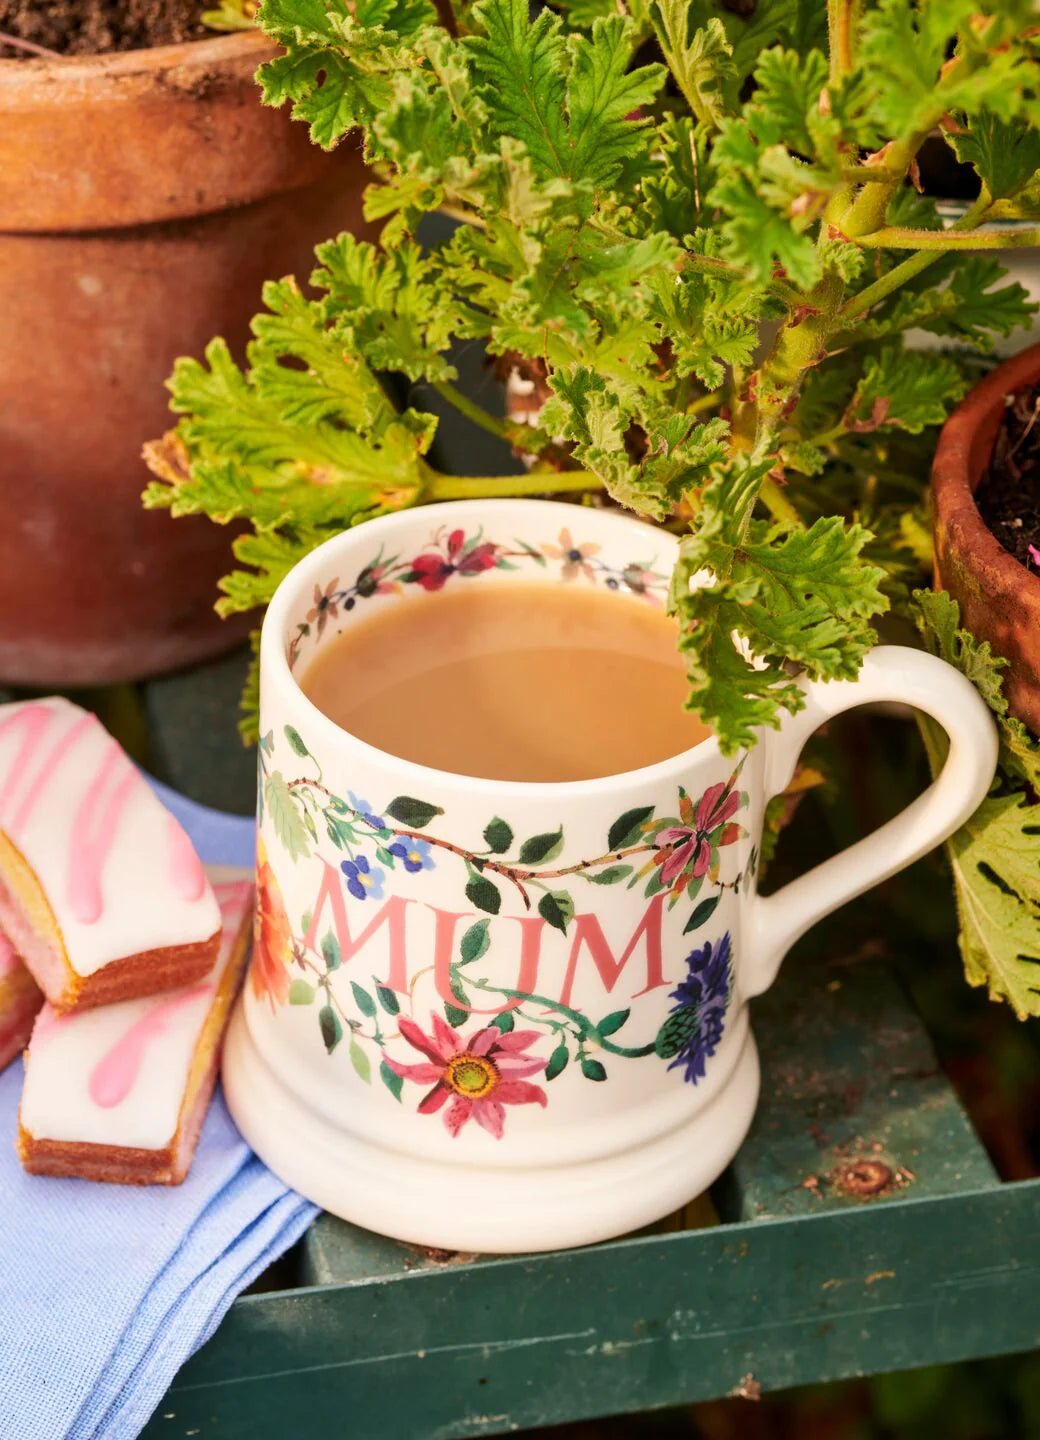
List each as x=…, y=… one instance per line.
x=514, y=681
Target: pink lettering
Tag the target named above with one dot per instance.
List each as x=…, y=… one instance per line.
x=391, y=914
x=588, y=932
x=531, y=928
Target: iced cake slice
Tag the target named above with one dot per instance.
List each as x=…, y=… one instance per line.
x=20, y=1000
x=120, y=1093
x=101, y=892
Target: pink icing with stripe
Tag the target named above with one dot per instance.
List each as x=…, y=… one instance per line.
x=93, y=831
x=186, y=870
x=47, y=767
x=34, y=721
x=113, y=1077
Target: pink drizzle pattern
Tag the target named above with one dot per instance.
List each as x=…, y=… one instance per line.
x=113, y=1077
x=186, y=869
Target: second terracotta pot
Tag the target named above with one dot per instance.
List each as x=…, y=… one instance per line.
x=144, y=199
x=999, y=598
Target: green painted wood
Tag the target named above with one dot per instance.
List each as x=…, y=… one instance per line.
x=632, y=1325
x=854, y=1106
x=193, y=726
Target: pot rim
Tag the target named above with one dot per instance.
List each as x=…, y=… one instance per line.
x=73, y=71
x=958, y=468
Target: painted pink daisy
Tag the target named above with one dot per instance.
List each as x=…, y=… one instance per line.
x=476, y=1077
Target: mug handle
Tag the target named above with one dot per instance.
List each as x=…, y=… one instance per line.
x=889, y=673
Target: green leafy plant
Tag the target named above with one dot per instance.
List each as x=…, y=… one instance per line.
x=699, y=232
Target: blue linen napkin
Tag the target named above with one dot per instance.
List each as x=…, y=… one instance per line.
x=105, y=1290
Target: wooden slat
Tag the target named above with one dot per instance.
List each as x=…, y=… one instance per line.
x=854, y=1106
x=483, y=1349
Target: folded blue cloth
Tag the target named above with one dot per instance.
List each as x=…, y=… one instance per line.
x=105, y=1290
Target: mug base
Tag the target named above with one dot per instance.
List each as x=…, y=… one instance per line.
x=475, y=1209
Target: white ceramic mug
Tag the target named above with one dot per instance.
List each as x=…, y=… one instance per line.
x=503, y=1016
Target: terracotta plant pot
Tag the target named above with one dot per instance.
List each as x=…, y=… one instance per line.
x=999, y=598
x=144, y=199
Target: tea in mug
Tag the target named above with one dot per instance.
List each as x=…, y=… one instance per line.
x=511, y=681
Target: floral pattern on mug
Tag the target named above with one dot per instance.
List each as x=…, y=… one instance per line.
x=454, y=553
x=693, y=1030
x=272, y=936
x=479, y=1076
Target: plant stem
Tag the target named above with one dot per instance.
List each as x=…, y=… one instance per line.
x=907, y=269
x=901, y=237
x=486, y=487
x=30, y=47
x=471, y=409
x=842, y=19
x=778, y=505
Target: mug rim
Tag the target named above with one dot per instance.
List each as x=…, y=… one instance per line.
x=274, y=662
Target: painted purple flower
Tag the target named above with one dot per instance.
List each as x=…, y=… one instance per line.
x=475, y=1077
x=364, y=881
x=365, y=812
x=413, y=852
x=693, y=1030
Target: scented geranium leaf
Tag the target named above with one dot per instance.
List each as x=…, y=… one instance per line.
x=937, y=616
x=603, y=96
x=678, y=453
x=759, y=237
x=961, y=297
x=1005, y=154
x=521, y=68
x=996, y=867
x=785, y=107
x=330, y=93
x=778, y=596
x=679, y=175
x=699, y=56
x=905, y=388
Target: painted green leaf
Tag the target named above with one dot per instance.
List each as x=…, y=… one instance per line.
x=611, y=875
x=413, y=813
x=592, y=1069
x=498, y=836
x=301, y=992
x=285, y=813
x=394, y=1083
x=613, y=1021
x=504, y=1022
x=331, y=1029
x=454, y=1016
x=330, y=951
x=676, y=1032
x=557, y=1061
x=483, y=894
x=387, y=998
x=557, y=908
x=627, y=828
x=360, y=1061
x=295, y=740
x=541, y=847
x=384, y=857
x=702, y=913
x=363, y=1000
x=475, y=942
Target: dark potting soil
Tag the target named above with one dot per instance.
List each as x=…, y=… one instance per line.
x=97, y=27
x=1008, y=496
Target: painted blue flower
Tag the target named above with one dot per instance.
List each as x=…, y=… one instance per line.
x=364, y=881
x=365, y=811
x=414, y=852
x=693, y=1030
